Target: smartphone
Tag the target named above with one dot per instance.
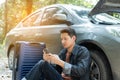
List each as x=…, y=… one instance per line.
x=46, y=50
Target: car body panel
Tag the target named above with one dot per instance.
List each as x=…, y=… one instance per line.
x=98, y=35
x=38, y=34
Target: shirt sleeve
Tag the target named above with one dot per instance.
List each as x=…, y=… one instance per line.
x=67, y=68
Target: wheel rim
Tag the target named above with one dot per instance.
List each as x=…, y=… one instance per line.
x=94, y=71
x=11, y=57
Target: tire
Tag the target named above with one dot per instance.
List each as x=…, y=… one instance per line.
x=99, y=69
x=14, y=71
x=11, y=57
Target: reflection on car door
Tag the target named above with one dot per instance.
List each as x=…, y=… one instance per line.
x=26, y=29
x=51, y=29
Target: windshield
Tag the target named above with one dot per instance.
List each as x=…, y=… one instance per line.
x=104, y=18
x=80, y=12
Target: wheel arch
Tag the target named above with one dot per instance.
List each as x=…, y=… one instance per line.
x=90, y=45
x=9, y=49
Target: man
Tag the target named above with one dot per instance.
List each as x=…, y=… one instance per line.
x=72, y=63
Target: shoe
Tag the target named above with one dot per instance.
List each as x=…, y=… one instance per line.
x=24, y=78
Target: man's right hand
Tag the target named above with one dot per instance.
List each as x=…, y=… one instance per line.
x=66, y=77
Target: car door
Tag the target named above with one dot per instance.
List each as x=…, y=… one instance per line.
x=50, y=29
x=26, y=30
x=42, y=27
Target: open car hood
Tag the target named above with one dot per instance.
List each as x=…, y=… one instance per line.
x=104, y=6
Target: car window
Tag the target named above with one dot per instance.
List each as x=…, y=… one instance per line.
x=33, y=20
x=48, y=18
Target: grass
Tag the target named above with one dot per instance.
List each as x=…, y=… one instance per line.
x=2, y=52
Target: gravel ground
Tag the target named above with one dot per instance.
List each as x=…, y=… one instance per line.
x=5, y=73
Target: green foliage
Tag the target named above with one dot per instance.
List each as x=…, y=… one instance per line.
x=2, y=24
x=14, y=15
x=78, y=2
x=117, y=15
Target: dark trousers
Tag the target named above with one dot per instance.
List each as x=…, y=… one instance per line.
x=43, y=71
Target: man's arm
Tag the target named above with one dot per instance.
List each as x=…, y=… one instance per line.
x=83, y=63
x=64, y=65
x=81, y=66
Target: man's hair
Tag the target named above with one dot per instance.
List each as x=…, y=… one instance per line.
x=71, y=32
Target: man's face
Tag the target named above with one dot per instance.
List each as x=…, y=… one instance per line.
x=66, y=40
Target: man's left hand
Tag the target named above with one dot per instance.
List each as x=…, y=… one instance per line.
x=54, y=58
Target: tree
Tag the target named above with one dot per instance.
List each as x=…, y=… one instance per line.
x=29, y=4
x=6, y=12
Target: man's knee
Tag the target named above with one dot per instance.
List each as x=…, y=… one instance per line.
x=42, y=63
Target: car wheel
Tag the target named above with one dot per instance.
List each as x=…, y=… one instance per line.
x=14, y=71
x=99, y=69
x=11, y=57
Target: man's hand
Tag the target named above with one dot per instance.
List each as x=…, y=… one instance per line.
x=47, y=57
x=55, y=58
x=65, y=77
x=52, y=58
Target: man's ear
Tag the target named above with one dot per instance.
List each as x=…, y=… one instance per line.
x=74, y=37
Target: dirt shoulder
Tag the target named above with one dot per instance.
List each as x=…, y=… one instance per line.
x=5, y=73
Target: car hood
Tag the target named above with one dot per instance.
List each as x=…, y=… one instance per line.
x=104, y=6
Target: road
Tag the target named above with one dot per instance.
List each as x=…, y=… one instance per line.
x=5, y=73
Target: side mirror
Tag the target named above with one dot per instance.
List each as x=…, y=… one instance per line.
x=61, y=17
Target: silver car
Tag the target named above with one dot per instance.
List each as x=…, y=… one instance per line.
x=96, y=29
